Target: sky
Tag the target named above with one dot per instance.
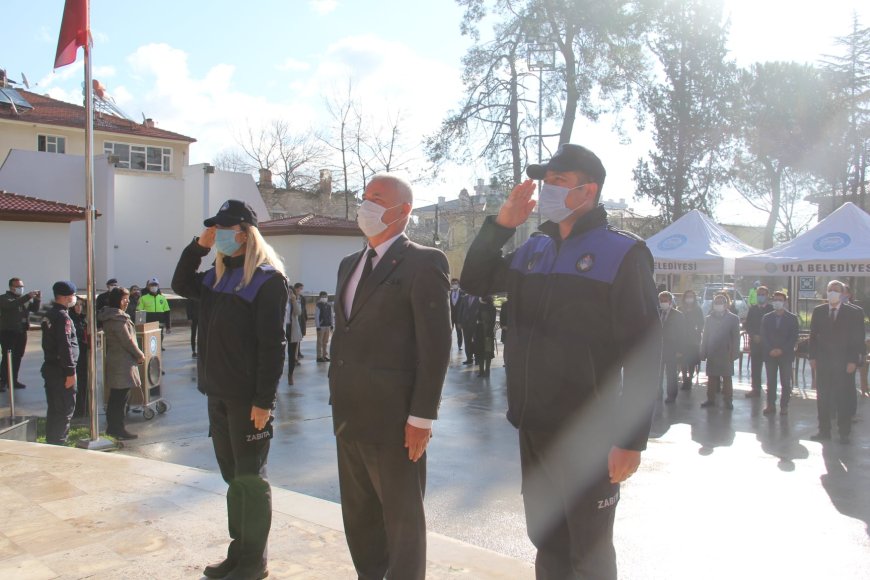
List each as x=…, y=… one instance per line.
x=209, y=69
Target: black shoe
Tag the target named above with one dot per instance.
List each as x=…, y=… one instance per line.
x=670, y=400
x=845, y=439
x=468, y=362
x=752, y=394
x=821, y=436
x=247, y=573
x=301, y=355
x=290, y=379
x=219, y=570
x=193, y=355
x=729, y=405
x=707, y=404
x=122, y=435
x=20, y=385
x=769, y=410
x=321, y=359
x=326, y=359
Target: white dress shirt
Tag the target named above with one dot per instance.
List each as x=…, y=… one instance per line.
x=350, y=291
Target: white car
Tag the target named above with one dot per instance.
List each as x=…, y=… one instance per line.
x=739, y=305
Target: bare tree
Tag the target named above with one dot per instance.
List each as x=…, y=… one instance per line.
x=342, y=111
x=232, y=160
x=293, y=157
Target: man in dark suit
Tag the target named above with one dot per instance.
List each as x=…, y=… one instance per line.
x=456, y=298
x=467, y=312
x=779, y=336
x=836, y=350
x=673, y=342
x=389, y=357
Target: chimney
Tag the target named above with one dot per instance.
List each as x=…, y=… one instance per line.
x=149, y=123
x=324, y=187
x=265, y=178
x=441, y=200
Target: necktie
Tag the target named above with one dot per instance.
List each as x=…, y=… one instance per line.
x=834, y=314
x=367, y=270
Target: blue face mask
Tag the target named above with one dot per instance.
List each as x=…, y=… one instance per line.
x=225, y=242
x=762, y=299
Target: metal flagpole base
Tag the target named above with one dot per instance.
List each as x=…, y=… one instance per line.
x=99, y=444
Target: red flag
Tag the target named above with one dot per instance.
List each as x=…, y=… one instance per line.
x=73, y=32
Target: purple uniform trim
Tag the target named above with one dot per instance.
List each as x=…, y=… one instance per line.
x=231, y=282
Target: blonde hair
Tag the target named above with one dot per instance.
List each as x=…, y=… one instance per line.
x=258, y=253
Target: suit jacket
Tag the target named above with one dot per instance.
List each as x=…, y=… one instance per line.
x=466, y=312
x=837, y=342
x=784, y=336
x=673, y=335
x=389, y=357
x=454, y=308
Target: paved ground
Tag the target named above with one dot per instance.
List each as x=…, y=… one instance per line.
x=729, y=493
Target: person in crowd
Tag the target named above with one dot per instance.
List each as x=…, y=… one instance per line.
x=583, y=337
x=673, y=343
x=192, y=307
x=862, y=366
x=122, y=361
x=15, y=308
x=836, y=349
x=299, y=289
x=468, y=320
x=752, y=298
x=694, y=328
x=79, y=318
x=456, y=298
x=720, y=347
x=324, y=320
x=156, y=308
x=61, y=354
x=135, y=295
x=779, y=336
x=102, y=299
x=752, y=325
x=293, y=332
x=385, y=379
x=242, y=301
x=484, y=337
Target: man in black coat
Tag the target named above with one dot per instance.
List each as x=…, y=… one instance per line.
x=389, y=357
x=836, y=350
x=673, y=342
x=15, y=308
x=467, y=312
x=456, y=298
x=752, y=325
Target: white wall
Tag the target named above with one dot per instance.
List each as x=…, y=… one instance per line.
x=45, y=259
x=313, y=260
x=62, y=178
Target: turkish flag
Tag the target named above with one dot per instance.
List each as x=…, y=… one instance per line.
x=73, y=32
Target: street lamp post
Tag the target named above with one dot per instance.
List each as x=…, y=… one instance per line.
x=541, y=57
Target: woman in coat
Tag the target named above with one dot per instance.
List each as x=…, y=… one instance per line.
x=694, y=323
x=294, y=333
x=720, y=347
x=123, y=358
x=484, y=335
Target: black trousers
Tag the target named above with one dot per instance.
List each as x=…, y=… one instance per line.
x=82, y=399
x=833, y=396
x=458, y=335
x=15, y=342
x=382, y=507
x=570, y=508
x=194, y=325
x=470, y=343
x=671, y=371
x=60, y=402
x=241, y=453
x=756, y=354
x=781, y=366
x=116, y=408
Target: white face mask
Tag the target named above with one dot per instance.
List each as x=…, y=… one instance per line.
x=153, y=289
x=369, y=218
x=665, y=306
x=324, y=300
x=719, y=308
x=778, y=304
x=690, y=301
x=18, y=291
x=833, y=297
x=551, y=202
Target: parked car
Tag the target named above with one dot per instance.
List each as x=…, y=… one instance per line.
x=739, y=305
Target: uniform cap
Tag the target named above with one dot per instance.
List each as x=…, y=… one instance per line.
x=232, y=213
x=64, y=288
x=111, y=281
x=570, y=157
x=154, y=281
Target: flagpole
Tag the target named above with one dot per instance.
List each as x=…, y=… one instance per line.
x=95, y=442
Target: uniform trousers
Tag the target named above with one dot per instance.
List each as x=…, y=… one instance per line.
x=60, y=403
x=833, y=396
x=727, y=385
x=783, y=367
x=323, y=334
x=382, y=507
x=671, y=370
x=14, y=342
x=242, y=452
x=570, y=507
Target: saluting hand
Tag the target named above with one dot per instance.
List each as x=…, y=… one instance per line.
x=416, y=440
x=206, y=238
x=518, y=207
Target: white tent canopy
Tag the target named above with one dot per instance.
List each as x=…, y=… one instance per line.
x=695, y=244
x=839, y=245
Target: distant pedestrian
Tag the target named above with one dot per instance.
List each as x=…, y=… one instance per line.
x=293, y=332
x=61, y=351
x=123, y=358
x=15, y=309
x=103, y=299
x=673, y=343
x=324, y=320
x=156, y=307
x=299, y=288
x=135, y=295
x=694, y=328
x=468, y=320
x=779, y=336
x=484, y=335
x=193, y=317
x=456, y=297
x=720, y=347
x=752, y=325
x=80, y=321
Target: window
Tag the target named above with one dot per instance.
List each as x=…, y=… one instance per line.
x=141, y=157
x=51, y=143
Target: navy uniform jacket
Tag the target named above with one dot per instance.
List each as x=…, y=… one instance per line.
x=59, y=343
x=584, y=330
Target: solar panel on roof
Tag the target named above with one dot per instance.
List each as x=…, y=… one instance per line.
x=10, y=96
